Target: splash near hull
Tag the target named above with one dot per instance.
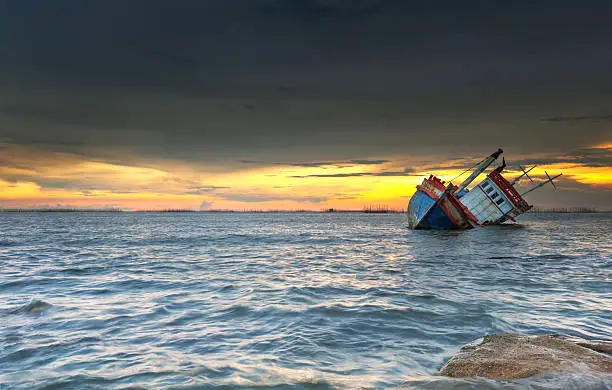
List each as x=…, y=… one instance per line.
x=437, y=205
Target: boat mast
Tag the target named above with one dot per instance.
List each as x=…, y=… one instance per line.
x=481, y=167
x=550, y=180
x=525, y=173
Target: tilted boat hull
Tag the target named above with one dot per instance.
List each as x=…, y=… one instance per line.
x=436, y=219
x=436, y=205
x=420, y=204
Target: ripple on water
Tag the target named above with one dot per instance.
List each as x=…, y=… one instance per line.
x=33, y=307
x=208, y=300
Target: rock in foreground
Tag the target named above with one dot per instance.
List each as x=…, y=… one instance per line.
x=511, y=356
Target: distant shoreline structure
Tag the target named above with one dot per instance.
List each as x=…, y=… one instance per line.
x=564, y=210
x=244, y=211
x=364, y=210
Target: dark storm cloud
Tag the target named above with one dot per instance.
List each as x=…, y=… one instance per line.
x=199, y=190
x=315, y=164
x=579, y=118
x=255, y=198
x=219, y=81
x=588, y=157
x=347, y=197
x=367, y=162
x=404, y=172
x=591, y=157
x=358, y=174
x=570, y=193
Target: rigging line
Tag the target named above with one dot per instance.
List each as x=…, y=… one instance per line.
x=468, y=169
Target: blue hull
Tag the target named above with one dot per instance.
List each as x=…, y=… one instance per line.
x=436, y=219
x=424, y=213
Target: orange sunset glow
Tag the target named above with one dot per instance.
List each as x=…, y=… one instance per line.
x=47, y=179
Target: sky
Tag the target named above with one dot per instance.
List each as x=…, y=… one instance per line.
x=298, y=104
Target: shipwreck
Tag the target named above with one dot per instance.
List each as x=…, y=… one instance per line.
x=495, y=200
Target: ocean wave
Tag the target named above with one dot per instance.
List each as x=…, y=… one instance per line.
x=246, y=301
x=35, y=306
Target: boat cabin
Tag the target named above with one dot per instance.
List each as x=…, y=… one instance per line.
x=494, y=200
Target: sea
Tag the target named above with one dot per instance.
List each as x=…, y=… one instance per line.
x=202, y=300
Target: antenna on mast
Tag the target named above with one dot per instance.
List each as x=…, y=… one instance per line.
x=550, y=180
x=525, y=173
